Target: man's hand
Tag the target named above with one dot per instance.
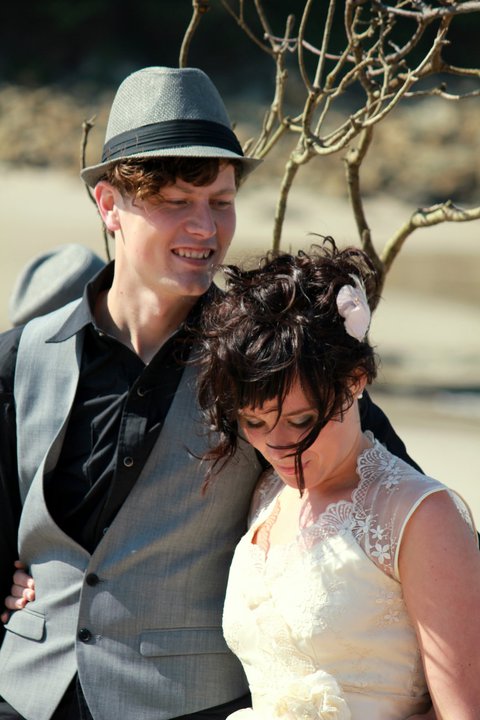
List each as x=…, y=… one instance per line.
x=22, y=591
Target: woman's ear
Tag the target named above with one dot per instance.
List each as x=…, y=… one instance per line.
x=106, y=198
x=359, y=386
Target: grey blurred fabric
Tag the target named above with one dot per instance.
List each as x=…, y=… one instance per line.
x=51, y=280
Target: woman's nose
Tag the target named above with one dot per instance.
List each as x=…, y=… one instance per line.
x=278, y=453
x=279, y=445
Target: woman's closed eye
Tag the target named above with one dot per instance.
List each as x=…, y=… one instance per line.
x=304, y=421
x=251, y=422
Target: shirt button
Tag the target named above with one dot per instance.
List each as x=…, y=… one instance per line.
x=84, y=635
x=140, y=391
x=92, y=579
x=128, y=461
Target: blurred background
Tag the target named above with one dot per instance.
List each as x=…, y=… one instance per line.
x=60, y=64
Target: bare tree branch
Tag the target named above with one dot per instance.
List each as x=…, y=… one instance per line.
x=442, y=93
x=291, y=169
x=87, y=126
x=269, y=135
x=300, y=43
x=325, y=40
x=353, y=161
x=425, y=217
x=243, y=25
x=373, y=71
x=429, y=14
x=200, y=7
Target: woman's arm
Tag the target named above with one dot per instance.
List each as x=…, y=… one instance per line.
x=439, y=566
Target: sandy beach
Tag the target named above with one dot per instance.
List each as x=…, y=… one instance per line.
x=426, y=329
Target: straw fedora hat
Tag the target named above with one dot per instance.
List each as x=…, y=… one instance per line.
x=51, y=280
x=167, y=112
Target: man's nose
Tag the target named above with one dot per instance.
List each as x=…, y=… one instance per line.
x=201, y=221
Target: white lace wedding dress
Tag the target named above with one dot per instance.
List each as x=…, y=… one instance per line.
x=320, y=624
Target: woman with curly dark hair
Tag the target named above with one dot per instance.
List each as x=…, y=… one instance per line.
x=343, y=601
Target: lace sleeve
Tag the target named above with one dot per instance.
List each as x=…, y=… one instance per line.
x=388, y=494
x=267, y=489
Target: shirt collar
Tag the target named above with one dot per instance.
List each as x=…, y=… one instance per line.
x=83, y=313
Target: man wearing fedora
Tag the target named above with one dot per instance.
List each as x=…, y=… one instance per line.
x=102, y=435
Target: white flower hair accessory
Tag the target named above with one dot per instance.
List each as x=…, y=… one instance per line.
x=353, y=307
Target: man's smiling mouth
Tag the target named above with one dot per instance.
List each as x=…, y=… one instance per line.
x=194, y=254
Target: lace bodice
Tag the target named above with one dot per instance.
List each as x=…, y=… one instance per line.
x=320, y=624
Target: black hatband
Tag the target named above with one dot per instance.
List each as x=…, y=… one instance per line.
x=171, y=134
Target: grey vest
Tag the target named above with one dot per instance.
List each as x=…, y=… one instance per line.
x=140, y=619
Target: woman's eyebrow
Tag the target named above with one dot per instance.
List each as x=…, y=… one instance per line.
x=275, y=410
x=299, y=411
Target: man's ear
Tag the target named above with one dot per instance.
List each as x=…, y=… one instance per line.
x=106, y=198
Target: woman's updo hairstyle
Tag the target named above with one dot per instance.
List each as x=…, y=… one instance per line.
x=278, y=324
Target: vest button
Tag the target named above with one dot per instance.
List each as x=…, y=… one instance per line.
x=128, y=461
x=84, y=635
x=92, y=579
x=140, y=391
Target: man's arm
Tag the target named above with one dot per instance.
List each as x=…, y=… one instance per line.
x=374, y=419
x=10, y=504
